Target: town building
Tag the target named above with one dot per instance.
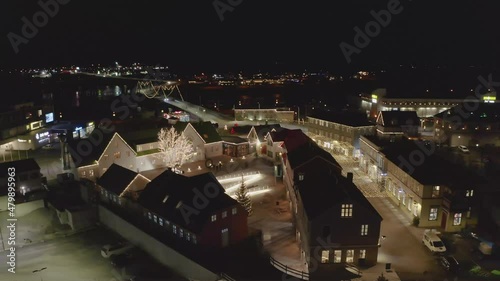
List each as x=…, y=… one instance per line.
x=204, y=137
x=191, y=210
x=391, y=124
x=336, y=226
x=339, y=132
x=26, y=175
x=434, y=191
x=265, y=114
x=474, y=124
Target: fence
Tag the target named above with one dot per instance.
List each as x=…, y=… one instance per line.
x=289, y=271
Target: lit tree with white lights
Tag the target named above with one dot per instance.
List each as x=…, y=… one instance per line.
x=175, y=149
x=243, y=198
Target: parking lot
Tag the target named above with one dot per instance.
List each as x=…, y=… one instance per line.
x=74, y=258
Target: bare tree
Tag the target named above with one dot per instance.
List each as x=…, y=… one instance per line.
x=175, y=149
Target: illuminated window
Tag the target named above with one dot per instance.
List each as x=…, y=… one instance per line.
x=337, y=256
x=433, y=213
x=174, y=229
x=149, y=215
x=188, y=236
x=301, y=177
x=91, y=173
x=160, y=221
x=362, y=254
x=364, y=230
x=346, y=211
x=234, y=211
x=469, y=193
x=349, y=256
x=435, y=191
x=214, y=218
x=155, y=218
x=224, y=214
x=117, y=155
x=325, y=256
x=181, y=232
x=457, y=219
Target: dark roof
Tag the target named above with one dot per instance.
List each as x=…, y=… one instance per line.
x=82, y=158
x=282, y=134
x=233, y=139
x=134, y=138
x=479, y=112
x=353, y=119
x=432, y=169
x=398, y=118
x=241, y=130
x=300, y=149
x=20, y=165
x=116, y=178
x=205, y=129
x=182, y=188
x=320, y=191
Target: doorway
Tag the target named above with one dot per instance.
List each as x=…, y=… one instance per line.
x=225, y=237
x=444, y=219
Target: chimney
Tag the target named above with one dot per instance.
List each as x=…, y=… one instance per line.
x=349, y=176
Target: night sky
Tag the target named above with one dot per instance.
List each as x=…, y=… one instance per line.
x=256, y=34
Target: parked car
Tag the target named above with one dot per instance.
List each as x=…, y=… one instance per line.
x=115, y=249
x=463, y=148
x=432, y=241
x=449, y=263
x=48, y=146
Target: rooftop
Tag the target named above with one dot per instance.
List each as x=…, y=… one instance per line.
x=205, y=129
x=20, y=166
x=398, y=118
x=116, y=178
x=478, y=112
x=171, y=195
x=353, y=119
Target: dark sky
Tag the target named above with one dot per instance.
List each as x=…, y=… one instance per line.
x=189, y=34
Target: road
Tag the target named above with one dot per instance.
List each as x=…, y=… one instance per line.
x=75, y=258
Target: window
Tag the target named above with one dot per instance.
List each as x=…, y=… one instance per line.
x=167, y=223
x=91, y=173
x=433, y=213
x=301, y=177
x=468, y=212
x=160, y=220
x=174, y=229
x=457, y=219
x=399, y=194
x=149, y=215
x=346, y=211
x=364, y=230
x=325, y=256
x=155, y=218
x=194, y=239
x=181, y=232
x=435, y=191
x=337, y=256
x=469, y=193
x=403, y=198
x=410, y=199
x=234, y=211
x=214, y=218
x=326, y=231
x=188, y=236
x=117, y=155
x=349, y=256
x=362, y=254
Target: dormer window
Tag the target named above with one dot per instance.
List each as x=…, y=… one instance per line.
x=301, y=177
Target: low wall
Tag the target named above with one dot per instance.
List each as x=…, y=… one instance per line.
x=165, y=255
